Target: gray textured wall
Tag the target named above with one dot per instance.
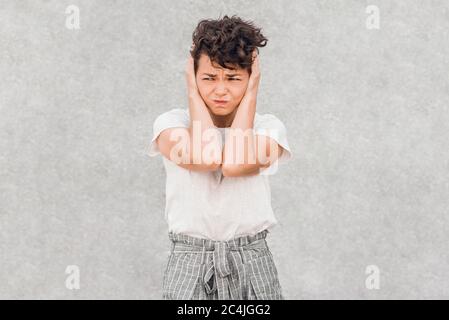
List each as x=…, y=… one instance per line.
x=367, y=118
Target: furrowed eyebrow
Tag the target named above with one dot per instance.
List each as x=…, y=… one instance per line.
x=228, y=75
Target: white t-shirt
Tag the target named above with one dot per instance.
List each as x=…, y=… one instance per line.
x=208, y=205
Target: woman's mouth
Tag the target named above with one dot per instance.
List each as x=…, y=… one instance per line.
x=220, y=102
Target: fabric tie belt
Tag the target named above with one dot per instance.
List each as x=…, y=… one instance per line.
x=218, y=266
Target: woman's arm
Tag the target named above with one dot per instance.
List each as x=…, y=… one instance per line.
x=200, y=122
x=244, y=153
x=187, y=151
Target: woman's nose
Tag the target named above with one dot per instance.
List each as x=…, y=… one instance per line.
x=220, y=88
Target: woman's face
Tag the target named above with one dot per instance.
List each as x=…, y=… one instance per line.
x=215, y=83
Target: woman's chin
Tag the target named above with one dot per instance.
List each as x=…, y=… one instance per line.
x=220, y=111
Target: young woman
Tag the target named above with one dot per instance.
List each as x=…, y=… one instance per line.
x=218, y=200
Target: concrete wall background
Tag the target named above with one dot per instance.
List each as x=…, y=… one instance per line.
x=367, y=117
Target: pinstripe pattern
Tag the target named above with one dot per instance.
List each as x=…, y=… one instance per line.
x=239, y=269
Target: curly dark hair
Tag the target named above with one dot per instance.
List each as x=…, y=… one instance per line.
x=227, y=41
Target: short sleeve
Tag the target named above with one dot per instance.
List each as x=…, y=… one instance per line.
x=270, y=125
x=174, y=118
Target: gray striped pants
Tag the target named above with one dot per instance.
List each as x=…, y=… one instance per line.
x=239, y=269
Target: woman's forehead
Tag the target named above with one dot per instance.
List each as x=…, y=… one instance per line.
x=206, y=65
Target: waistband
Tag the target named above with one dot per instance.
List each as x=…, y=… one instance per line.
x=189, y=243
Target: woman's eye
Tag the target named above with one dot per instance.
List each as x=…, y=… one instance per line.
x=234, y=79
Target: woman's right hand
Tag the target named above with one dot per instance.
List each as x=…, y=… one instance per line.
x=192, y=87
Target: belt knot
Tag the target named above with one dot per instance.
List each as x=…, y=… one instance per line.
x=218, y=265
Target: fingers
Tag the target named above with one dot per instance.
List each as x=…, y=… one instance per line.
x=255, y=54
x=189, y=66
x=190, y=74
x=254, y=78
x=255, y=65
x=256, y=62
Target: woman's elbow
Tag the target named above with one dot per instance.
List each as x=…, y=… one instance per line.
x=228, y=171
x=238, y=170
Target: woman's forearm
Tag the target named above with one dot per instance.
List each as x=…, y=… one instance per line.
x=239, y=155
x=203, y=133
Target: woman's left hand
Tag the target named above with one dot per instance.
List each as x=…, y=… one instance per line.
x=254, y=79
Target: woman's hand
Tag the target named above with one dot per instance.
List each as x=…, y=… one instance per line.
x=254, y=79
x=192, y=87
